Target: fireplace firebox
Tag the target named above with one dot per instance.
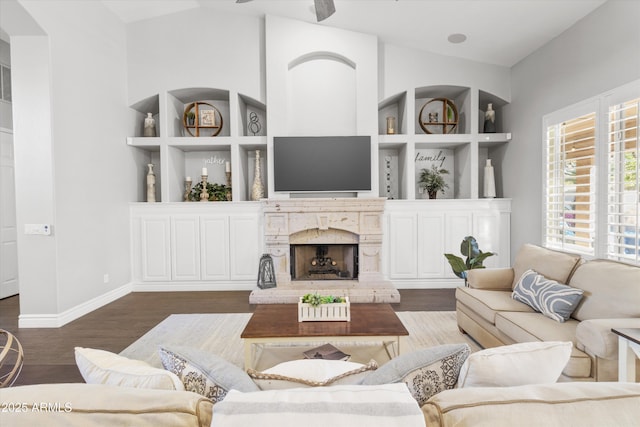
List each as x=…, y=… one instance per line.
x=324, y=262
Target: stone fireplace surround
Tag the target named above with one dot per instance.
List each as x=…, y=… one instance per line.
x=325, y=221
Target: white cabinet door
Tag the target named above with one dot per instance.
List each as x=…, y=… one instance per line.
x=155, y=251
x=185, y=247
x=431, y=244
x=214, y=241
x=244, y=247
x=403, y=246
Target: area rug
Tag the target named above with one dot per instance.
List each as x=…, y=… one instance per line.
x=220, y=334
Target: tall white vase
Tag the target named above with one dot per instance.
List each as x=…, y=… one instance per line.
x=257, y=190
x=151, y=184
x=489, y=180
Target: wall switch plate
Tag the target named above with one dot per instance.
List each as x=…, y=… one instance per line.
x=105, y=278
x=40, y=229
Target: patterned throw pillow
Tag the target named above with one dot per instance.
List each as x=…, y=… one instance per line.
x=426, y=372
x=205, y=373
x=546, y=296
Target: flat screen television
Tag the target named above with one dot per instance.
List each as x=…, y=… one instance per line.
x=322, y=163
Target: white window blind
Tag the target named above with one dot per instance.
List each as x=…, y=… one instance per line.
x=570, y=184
x=623, y=239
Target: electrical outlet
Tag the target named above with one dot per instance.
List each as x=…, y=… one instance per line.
x=105, y=278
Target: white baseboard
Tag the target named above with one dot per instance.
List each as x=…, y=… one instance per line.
x=61, y=319
x=194, y=286
x=428, y=283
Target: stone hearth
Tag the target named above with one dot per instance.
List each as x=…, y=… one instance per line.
x=325, y=221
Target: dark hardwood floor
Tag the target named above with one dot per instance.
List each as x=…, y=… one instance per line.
x=49, y=355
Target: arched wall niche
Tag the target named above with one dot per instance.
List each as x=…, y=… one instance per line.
x=321, y=95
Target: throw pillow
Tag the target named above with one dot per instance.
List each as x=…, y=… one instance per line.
x=205, y=373
x=103, y=367
x=516, y=364
x=546, y=296
x=311, y=373
x=426, y=372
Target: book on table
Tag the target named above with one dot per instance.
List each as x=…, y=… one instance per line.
x=326, y=352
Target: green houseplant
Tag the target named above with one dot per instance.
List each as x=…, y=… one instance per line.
x=433, y=181
x=475, y=257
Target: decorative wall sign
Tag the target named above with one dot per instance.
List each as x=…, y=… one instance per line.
x=443, y=159
x=438, y=115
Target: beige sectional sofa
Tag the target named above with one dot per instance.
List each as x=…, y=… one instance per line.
x=89, y=405
x=488, y=313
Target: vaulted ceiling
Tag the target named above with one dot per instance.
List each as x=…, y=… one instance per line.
x=498, y=32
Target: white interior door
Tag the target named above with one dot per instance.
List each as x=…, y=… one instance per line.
x=8, y=229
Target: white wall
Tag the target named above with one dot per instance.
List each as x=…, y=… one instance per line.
x=404, y=69
x=196, y=48
x=600, y=52
x=73, y=168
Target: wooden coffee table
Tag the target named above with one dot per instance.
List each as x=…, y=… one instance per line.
x=278, y=323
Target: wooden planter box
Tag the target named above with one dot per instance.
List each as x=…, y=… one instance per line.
x=337, y=312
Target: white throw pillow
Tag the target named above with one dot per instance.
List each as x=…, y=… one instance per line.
x=103, y=367
x=311, y=373
x=516, y=364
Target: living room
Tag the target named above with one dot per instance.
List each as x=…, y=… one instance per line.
x=71, y=55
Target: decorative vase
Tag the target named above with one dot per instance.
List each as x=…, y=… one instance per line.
x=257, y=190
x=489, y=180
x=149, y=125
x=432, y=194
x=490, y=119
x=151, y=184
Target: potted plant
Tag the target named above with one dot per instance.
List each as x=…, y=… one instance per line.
x=433, y=181
x=191, y=118
x=316, y=307
x=475, y=257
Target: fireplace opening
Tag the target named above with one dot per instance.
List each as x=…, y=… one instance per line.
x=324, y=262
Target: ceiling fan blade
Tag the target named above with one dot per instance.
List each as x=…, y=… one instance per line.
x=324, y=9
x=243, y=1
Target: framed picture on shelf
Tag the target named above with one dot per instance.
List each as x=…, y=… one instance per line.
x=207, y=117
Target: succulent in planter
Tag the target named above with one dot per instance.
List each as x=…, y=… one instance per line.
x=469, y=248
x=316, y=299
x=432, y=180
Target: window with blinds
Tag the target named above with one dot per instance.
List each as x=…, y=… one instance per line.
x=623, y=239
x=570, y=185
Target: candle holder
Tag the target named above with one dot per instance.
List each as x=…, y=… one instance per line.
x=187, y=189
x=229, y=194
x=204, y=195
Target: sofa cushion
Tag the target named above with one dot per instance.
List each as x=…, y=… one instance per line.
x=548, y=405
x=205, y=373
x=555, y=300
x=311, y=373
x=527, y=327
x=103, y=367
x=516, y=364
x=386, y=405
x=611, y=290
x=555, y=265
x=99, y=405
x=426, y=372
x=595, y=336
x=487, y=302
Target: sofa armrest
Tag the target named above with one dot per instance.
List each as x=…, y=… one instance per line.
x=595, y=336
x=490, y=278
